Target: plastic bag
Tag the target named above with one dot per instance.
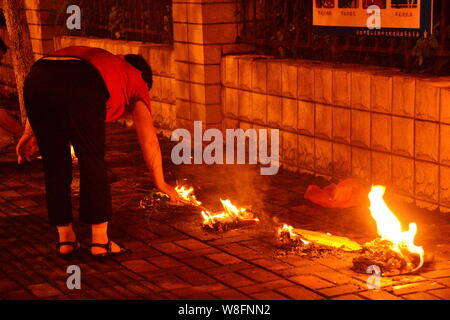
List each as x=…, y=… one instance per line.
x=346, y=194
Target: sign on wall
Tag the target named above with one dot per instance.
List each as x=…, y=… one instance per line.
x=389, y=18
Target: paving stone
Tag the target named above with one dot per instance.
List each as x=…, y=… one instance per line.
x=43, y=290
x=230, y=294
x=441, y=293
x=7, y=285
x=191, y=244
x=312, y=282
x=228, y=268
x=18, y=295
x=234, y=280
x=340, y=290
x=271, y=285
x=139, y=266
x=259, y=275
x=164, y=262
x=223, y=258
x=300, y=293
x=379, y=295
x=168, y=248
x=416, y=287
x=420, y=296
x=270, y=264
x=269, y=295
x=348, y=297
x=196, y=278
x=170, y=282
x=200, y=263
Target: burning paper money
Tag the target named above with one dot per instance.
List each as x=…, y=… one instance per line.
x=394, y=252
x=231, y=217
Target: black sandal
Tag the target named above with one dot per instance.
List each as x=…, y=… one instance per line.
x=108, y=247
x=75, y=246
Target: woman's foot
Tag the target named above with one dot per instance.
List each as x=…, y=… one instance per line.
x=66, y=234
x=101, y=245
x=108, y=247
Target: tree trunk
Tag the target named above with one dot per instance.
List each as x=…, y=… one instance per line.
x=22, y=52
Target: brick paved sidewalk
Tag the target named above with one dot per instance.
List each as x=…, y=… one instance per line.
x=173, y=258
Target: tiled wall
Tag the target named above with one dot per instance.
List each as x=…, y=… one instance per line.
x=375, y=124
x=160, y=57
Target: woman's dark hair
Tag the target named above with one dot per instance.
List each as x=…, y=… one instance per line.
x=138, y=61
x=3, y=47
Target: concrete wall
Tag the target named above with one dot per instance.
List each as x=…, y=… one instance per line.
x=375, y=124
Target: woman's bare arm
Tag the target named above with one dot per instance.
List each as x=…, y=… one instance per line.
x=151, y=151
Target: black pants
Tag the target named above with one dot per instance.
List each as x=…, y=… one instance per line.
x=66, y=104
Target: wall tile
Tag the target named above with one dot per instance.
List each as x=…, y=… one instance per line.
x=404, y=92
x=427, y=140
x=274, y=111
x=381, y=169
x=361, y=90
x=342, y=160
x=445, y=105
x=323, y=123
x=289, y=148
x=306, y=117
x=403, y=175
x=360, y=135
x=323, y=85
x=306, y=82
x=289, y=114
x=289, y=80
x=381, y=132
x=229, y=124
x=427, y=100
x=230, y=71
x=259, y=75
x=274, y=77
x=427, y=181
x=445, y=144
x=245, y=72
x=341, y=87
x=245, y=105
x=381, y=93
x=403, y=136
x=445, y=186
x=341, y=125
x=361, y=164
x=323, y=157
x=230, y=102
x=259, y=108
x=306, y=152
x=183, y=109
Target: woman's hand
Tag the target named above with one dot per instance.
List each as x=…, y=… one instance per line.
x=174, y=197
x=27, y=148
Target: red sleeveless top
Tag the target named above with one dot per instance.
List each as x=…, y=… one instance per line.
x=124, y=82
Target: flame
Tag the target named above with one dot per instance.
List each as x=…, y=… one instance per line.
x=72, y=153
x=293, y=235
x=231, y=214
x=390, y=228
x=187, y=195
